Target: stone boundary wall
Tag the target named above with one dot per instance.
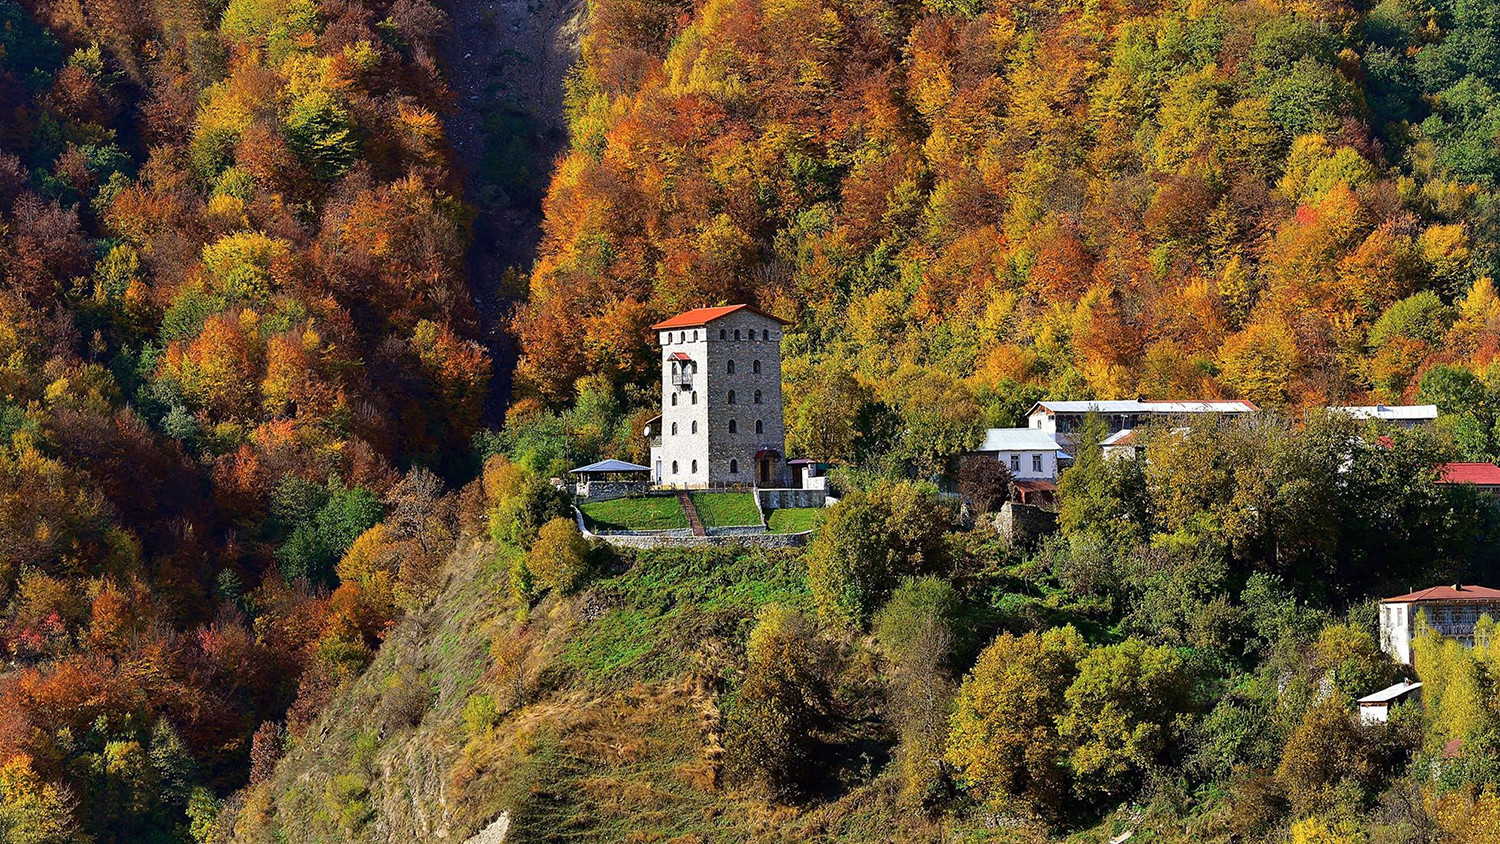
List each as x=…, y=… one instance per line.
x=787, y=499
x=751, y=535
x=1022, y=523
x=609, y=490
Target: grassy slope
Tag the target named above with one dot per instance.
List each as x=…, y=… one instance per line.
x=795, y=519
x=726, y=509
x=657, y=512
x=609, y=725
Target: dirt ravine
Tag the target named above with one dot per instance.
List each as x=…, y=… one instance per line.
x=506, y=61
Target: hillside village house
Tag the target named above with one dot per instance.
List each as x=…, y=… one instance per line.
x=1064, y=419
x=1031, y=456
x=721, y=419
x=1484, y=476
x=1400, y=415
x=1451, y=611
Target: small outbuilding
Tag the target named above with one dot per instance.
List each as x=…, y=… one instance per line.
x=610, y=478
x=1376, y=708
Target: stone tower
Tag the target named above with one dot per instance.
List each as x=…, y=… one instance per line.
x=721, y=419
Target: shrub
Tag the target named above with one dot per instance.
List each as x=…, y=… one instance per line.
x=480, y=714
x=984, y=482
x=1004, y=739
x=870, y=540
x=518, y=518
x=557, y=558
x=782, y=702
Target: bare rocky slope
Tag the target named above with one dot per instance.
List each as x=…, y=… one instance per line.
x=506, y=61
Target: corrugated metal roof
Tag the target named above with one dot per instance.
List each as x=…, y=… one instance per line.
x=610, y=465
x=703, y=316
x=1391, y=693
x=1483, y=474
x=1153, y=407
x=1017, y=439
x=1398, y=412
x=1447, y=594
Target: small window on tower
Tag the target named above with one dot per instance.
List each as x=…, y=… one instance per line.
x=736, y=334
x=695, y=397
x=755, y=367
x=757, y=396
x=729, y=368
x=752, y=334
x=734, y=467
x=682, y=336
x=674, y=467
x=674, y=429
x=695, y=467
x=695, y=426
x=674, y=399
x=731, y=396
x=760, y=427
x=695, y=335
x=721, y=334
x=734, y=427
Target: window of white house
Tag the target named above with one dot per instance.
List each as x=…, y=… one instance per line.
x=1015, y=462
x=695, y=426
x=695, y=336
x=674, y=399
x=734, y=465
x=695, y=467
x=1036, y=463
x=674, y=467
x=755, y=367
x=682, y=336
x=695, y=397
x=731, y=396
x=674, y=429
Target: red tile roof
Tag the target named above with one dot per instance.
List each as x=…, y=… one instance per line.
x=1447, y=593
x=703, y=316
x=1482, y=474
x=1036, y=486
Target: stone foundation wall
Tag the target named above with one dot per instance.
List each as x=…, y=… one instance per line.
x=786, y=499
x=1022, y=523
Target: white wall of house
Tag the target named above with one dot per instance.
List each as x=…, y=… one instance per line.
x=1030, y=465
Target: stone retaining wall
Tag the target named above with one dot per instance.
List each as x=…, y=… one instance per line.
x=787, y=499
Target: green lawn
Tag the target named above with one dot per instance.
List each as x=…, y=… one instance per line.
x=656, y=512
x=795, y=519
x=726, y=509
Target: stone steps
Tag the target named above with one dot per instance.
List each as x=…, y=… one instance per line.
x=692, y=513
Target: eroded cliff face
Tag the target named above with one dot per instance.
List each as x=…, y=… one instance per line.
x=506, y=61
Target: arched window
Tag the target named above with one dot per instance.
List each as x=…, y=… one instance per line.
x=736, y=334
x=695, y=467
x=757, y=396
x=752, y=334
x=721, y=334
x=731, y=396
x=729, y=368
x=695, y=397
x=674, y=467
x=695, y=426
x=734, y=465
x=674, y=429
x=755, y=367
x=734, y=427
x=674, y=399
x=760, y=427
x=666, y=338
x=682, y=336
x=695, y=335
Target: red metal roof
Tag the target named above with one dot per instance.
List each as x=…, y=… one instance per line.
x=1036, y=486
x=1482, y=474
x=1447, y=594
x=678, y=356
x=703, y=316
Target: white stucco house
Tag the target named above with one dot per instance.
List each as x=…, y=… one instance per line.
x=1450, y=611
x=1376, y=708
x=721, y=420
x=1063, y=419
x=1030, y=454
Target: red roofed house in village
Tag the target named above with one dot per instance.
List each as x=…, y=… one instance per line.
x=1450, y=610
x=1486, y=476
